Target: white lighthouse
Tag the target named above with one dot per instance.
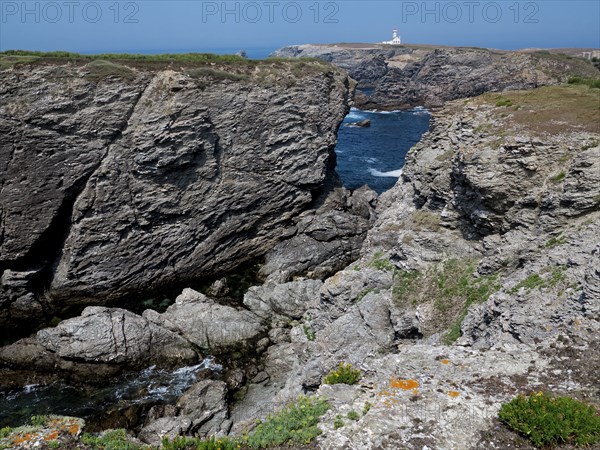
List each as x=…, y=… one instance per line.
x=395, y=39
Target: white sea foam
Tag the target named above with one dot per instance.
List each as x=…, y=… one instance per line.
x=390, y=174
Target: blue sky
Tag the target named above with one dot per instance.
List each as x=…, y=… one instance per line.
x=164, y=26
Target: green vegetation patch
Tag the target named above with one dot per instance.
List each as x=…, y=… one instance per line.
x=187, y=443
x=99, y=70
x=555, y=241
x=353, y=415
x=553, y=276
x=548, y=110
x=381, y=262
x=215, y=74
x=344, y=374
x=111, y=440
x=559, y=177
x=296, y=424
x=453, y=287
x=549, y=421
x=426, y=220
x=504, y=102
x=593, y=83
x=7, y=61
x=338, y=423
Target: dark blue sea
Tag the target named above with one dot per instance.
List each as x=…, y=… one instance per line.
x=375, y=156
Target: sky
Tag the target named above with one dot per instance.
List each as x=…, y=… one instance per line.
x=154, y=26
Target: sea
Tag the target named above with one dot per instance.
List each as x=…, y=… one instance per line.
x=375, y=156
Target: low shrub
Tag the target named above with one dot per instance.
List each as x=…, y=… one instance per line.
x=338, y=423
x=549, y=421
x=353, y=415
x=295, y=424
x=344, y=374
x=111, y=440
x=504, y=102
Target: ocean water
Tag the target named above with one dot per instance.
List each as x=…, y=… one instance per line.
x=150, y=386
x=375, y=156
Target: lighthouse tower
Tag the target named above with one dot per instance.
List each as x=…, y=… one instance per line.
x=395, y=38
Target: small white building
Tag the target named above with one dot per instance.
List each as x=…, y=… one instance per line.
x=395, y=39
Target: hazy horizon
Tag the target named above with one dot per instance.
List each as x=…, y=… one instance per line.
x=158, y=26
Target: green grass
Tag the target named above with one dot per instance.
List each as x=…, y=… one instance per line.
x=344, y=374
x=535, y=281
x=308, y=332
x=366, y=292
x=4, y=432
x=452, y=286
x=166, y=57
x=555, y=241
x=353, y=415
x=404, y=285
x=296, y=424
x=593, y=83
x=559, y=177
x=504, y=102
x=207, y=72
x=426, y=220
x=111, y=440
x=99, y=70
x=338, y=423
x=380, y=262
x=551, y=110
x=548, y=421
x=39, y=421
x=211, y=443
x=366, y=408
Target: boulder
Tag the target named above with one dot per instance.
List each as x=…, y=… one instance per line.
x=205, y=404
x=288, y=299
x=213, y=327
x=115, y=336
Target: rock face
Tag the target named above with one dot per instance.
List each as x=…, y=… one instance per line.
x=478, y=281
x=410, y=75
x=146, y=177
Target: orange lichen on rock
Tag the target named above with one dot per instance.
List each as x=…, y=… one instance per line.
x=445, y=361
x=53, y=435
x=23, y=438
x=453, y=394
x=405, y=385
x=74, y=429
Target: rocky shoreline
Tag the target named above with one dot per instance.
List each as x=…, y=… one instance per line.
x=423, y=75
x=476, y=278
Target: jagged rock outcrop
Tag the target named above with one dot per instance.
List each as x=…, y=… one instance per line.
x=201, y=411
x=410, y=75
x=326, y=239
x=477, y=282
x=140, y=177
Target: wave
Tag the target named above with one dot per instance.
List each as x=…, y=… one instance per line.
x=391, y=174
x=419, y=110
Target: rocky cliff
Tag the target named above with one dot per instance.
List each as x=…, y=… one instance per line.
x=410, y=75
x=126, y=177
x=478, y=280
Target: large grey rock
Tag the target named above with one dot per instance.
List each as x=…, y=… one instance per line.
x=326, y=239
x=288, y=299
x=115, y=336
x=211, y=326
x=170, y=427
x=156, y=176
x=205, y=404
